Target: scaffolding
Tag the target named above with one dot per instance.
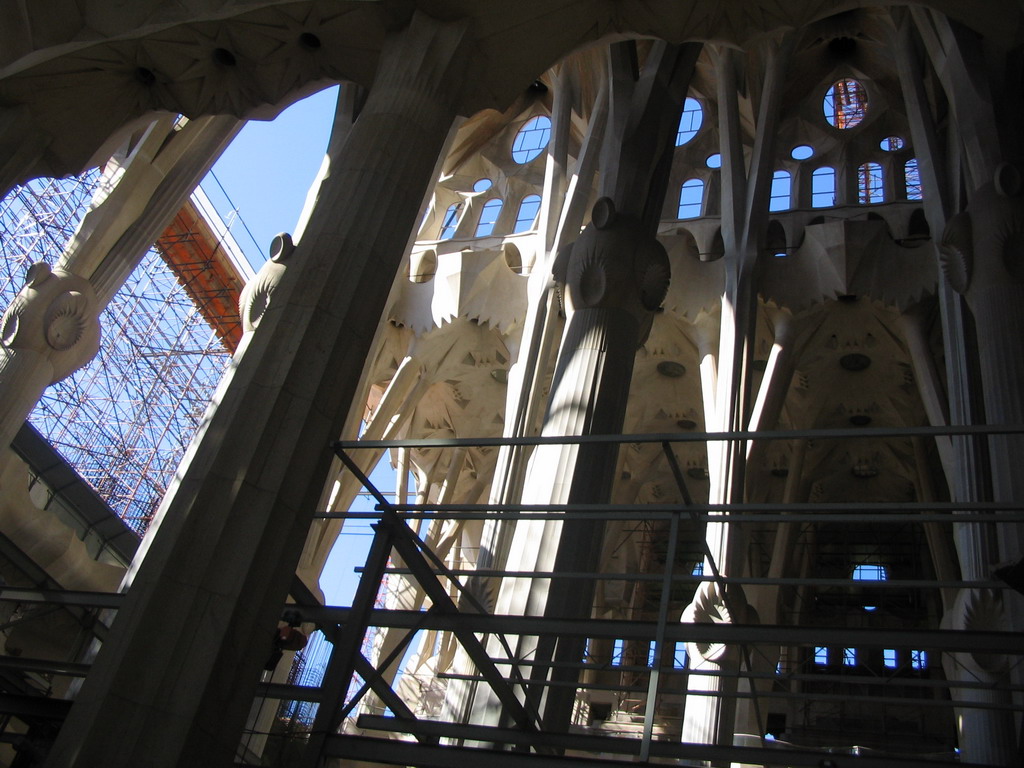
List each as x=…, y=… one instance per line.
x=124, y=421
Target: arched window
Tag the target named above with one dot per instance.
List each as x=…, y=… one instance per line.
x=527, y=215
x=782, y=184
x=679, y=659
x=690, y=121
x=488, y=215
x=451, y=222
x=823, y=187
x=869, y=572
x=691, y=199
x=869, y=184
x=531, y=139
x=912, y=177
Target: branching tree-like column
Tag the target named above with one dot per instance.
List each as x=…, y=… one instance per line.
x=51, y=329
x=174, y=681
x=984, y=261
x=612, y=279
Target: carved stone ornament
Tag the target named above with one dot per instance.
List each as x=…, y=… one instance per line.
x=996, y=232
x=55, y=314
x=255, y=297
x=982, y=610
x=709, y=607
x=956, y=252
x=615, y=264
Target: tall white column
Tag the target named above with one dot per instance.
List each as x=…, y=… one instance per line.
x=173, y=683
x=613, y=279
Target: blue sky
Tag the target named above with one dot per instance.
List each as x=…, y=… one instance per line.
x=267, y=170
x=262, y=179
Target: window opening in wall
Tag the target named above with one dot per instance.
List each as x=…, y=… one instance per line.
x=690, y=121
x=846, y=103
x=714, y=161
x=488, y=216
x=698, y=568
x=870, y=572
x=652, y=654
x=451, y=222
x=691, y=199
x=919, y=659
x=531, y=139
x=912, y=176
x=528, y=210
x=481, y=185
x=889, y=658
x=802, y=152
x=870, y=188
x=618, y=650
x=823, y=187
x=821, y=655
x=849, y=657
x=781, y=188
x=679, y=658
x=891, y=143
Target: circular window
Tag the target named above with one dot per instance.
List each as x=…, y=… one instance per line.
x=802, y=152
x=892, y=143
x=690, y=121
x=531, y=139
x=482, y=185
x=846, y=104
x=714, y=161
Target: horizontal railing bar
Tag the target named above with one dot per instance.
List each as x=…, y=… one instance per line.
x=61, y=597
x=44, y=666
x=886, y=637
x=783, y=581
x=731, y=694
x=872, y=433
x=398, y=752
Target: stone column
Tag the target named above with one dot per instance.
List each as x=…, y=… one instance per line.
x=52, y=329
x=173, y=683
x=612, y=278
x=983, y=259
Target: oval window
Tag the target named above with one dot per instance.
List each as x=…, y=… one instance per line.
x=846, y=103
x=690, y=121
x=531, y=139
x=891, y=144
x=714, y=161
x=802, y=152
x=482, y=185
